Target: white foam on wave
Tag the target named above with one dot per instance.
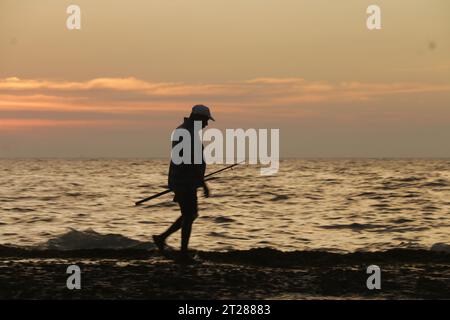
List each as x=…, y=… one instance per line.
x=90, y=239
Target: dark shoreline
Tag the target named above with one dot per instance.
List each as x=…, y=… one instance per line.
x=250, y=274
x=258, y=256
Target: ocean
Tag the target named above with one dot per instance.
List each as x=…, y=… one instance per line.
x=337, y=205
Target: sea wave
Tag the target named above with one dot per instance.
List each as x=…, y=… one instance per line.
x=90, y=239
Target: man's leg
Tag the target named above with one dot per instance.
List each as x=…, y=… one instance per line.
x=160, y=240
x=188, y=205
x=186, y=233
x=172, y=229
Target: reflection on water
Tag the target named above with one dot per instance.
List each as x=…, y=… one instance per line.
x=310, y=204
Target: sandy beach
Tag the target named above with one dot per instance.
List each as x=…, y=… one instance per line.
x=250, y=274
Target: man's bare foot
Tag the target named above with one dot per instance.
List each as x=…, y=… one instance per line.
x=159, y=241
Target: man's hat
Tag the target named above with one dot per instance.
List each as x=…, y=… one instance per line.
x=202, y=110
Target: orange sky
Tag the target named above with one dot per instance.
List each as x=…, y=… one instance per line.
x=118, y=87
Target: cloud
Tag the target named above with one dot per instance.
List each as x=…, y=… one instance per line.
x=278, y=97
x=14, y=124
x=294, y=87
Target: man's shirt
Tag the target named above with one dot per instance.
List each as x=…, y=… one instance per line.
x=188, y=175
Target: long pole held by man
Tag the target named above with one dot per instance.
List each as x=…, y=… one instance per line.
x=207, y=178
x=185, y=178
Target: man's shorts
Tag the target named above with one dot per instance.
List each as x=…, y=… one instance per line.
x=187, y=199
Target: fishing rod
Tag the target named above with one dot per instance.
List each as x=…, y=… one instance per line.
x=207, y=178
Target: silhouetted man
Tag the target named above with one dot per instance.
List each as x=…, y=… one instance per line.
x=185, y=178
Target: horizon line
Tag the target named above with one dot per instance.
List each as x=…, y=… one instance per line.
x=281, y=158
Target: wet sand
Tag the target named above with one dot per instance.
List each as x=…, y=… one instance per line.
x=249, y=274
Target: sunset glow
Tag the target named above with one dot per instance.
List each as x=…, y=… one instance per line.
x=299, y=67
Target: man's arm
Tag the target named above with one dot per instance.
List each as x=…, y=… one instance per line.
x=199, y=170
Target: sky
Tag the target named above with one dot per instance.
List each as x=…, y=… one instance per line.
x=121, y=84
